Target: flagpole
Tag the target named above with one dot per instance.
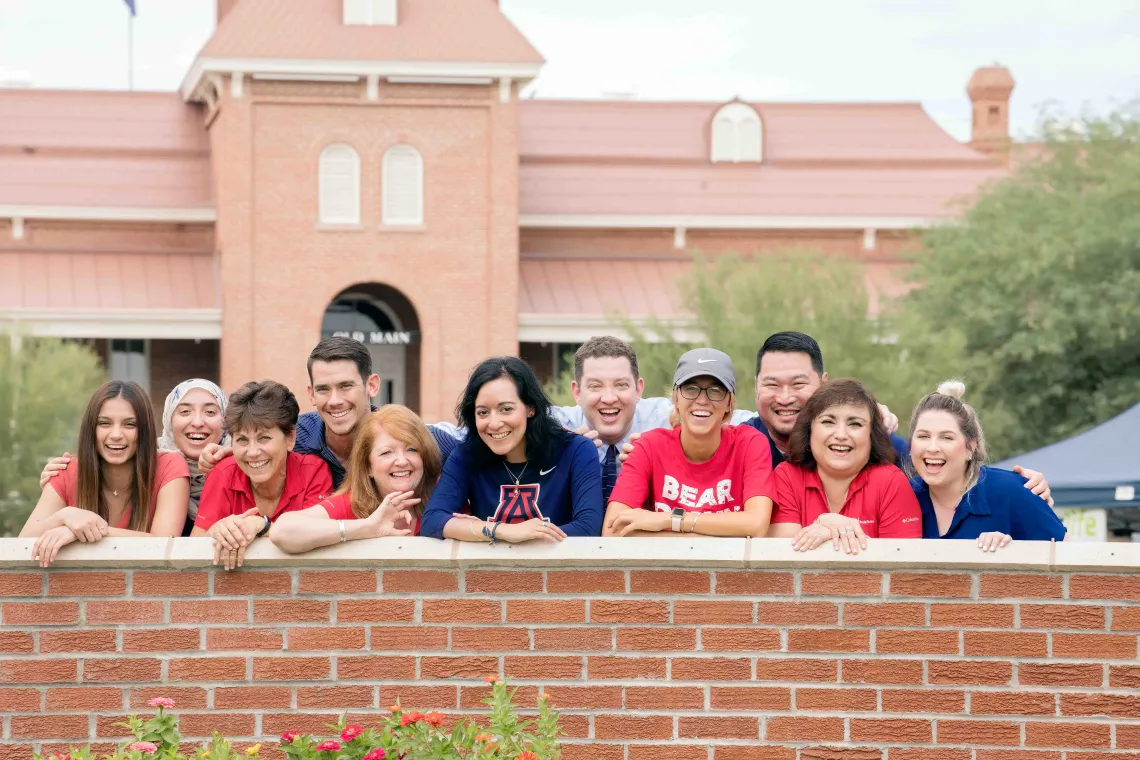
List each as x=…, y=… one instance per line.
x=131, y=50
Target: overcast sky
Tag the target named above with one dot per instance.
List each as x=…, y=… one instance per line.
x=1076, y=53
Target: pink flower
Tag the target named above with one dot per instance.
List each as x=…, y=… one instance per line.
x=64, y=756
x=328, y=745
x=166, y=702
x=148, y=748
x=376, y=754
x=350, y=732
x=289, y=736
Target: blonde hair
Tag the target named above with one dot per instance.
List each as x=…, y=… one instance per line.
x=405, y=426
x=948, y=398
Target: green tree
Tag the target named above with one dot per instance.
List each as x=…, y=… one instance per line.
x=1040, y=281
x=44, y=387
x=736, y=303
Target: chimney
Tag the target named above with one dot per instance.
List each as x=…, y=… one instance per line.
x=989, y=90
x=224, y=7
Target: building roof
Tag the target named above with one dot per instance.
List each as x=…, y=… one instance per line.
x=467, y=31
x=636, y=158
x=102, y=149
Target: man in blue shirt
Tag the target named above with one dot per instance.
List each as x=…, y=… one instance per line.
x=341, y=382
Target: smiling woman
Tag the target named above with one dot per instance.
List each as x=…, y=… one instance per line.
x=264, y=479
x=840, y=482
x=523, y=475
x=116, y=469
x=703, y=476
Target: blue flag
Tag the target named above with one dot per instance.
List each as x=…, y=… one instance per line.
x=131, y=5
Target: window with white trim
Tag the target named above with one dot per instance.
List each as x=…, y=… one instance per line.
x=339, y=185
x=737, y=134
x=403, y=186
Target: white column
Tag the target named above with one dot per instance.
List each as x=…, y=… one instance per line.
x=869, y=239
x=505, y=90
x=18, y=228
x=372, y=87
x=679, y=238
x=237, y=79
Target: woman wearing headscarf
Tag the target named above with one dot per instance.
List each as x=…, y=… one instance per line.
x=191, y=420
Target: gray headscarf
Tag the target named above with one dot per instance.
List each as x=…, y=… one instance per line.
x=166, y=440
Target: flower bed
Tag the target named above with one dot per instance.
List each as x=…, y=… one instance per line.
x=403, y=735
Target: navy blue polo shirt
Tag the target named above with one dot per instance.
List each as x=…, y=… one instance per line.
x=311, y=440
x=901, y=447
x=998, y=502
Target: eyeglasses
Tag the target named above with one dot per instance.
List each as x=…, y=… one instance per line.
x=714, y=393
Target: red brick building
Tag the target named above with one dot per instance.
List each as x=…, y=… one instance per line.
x=368, y=167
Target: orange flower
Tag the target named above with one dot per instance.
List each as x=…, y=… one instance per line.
x=434, y=719
x=394, y=708
x=490, y=679
x=528, y=755
x=544, y=696
x=484, y=737
x=412, y=717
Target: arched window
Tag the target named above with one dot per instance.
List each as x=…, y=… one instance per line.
x=403, y=193
x=737, y=134
x=339, y=185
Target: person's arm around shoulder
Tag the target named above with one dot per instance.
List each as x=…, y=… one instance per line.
x=899, y=514
x=211, y=456
x=633, y=486
x=1030, y=517
x=53, y=468
x=585, y=489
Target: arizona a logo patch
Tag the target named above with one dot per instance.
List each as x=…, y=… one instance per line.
x=517, y=504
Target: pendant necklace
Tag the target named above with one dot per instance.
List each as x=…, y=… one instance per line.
x=516, y=478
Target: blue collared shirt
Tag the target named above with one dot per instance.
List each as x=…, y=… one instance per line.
x=311, y=440
x=998, y=502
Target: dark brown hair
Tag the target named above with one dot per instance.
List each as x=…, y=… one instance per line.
x=832, y=394
x=341, y=349
x=604, y=346
x=89, y=486
x=405, y=426
x=263, y=405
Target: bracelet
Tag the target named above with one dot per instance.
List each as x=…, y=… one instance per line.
x=264, y=528
x=471, y=528
x=696, y=517
x=489, y=532
x=343, y=534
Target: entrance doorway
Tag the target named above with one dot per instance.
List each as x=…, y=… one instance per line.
x=385, y=322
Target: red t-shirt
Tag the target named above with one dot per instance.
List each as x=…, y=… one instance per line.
x=170, y=466
x=880, y=498
x=657, y=472
x=339, y=507
x=228, y=491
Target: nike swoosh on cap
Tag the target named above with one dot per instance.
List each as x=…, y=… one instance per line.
x=705, y=361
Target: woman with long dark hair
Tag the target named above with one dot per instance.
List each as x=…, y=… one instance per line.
x=522, y=474
x=393, y=468
x=117, y=484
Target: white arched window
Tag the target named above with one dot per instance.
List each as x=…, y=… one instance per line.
x=403, y=192
x=339, y=185
x=737, y=134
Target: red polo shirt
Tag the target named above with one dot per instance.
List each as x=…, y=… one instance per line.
x=339, y=507
x=880, y=498
x=228, y=491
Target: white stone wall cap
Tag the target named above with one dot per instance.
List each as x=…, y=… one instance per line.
x=902, y=553
x=610, y=552
x=1082, y=555
x=881, y=554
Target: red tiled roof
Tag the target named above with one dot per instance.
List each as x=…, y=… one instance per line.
x=107, y=280
x=89, y=148
x=469, y=31
x=635, y=158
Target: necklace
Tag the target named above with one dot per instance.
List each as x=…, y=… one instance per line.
x=516, y=478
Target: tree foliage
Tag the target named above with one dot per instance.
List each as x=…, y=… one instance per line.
x=44, y=387
x=1040, y=280
x=737, y=303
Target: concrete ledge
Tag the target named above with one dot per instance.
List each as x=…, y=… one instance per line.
x=884, y=554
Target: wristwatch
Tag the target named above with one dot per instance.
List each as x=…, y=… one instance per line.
x=678, y=513
x=265, y=528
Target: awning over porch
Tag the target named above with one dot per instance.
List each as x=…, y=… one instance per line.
x=110, y=294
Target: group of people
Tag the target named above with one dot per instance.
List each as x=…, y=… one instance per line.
x=817, y=463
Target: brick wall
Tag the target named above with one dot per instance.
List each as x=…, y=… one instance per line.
x=652, y=649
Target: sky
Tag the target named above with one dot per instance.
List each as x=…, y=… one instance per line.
x=1072, y=54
